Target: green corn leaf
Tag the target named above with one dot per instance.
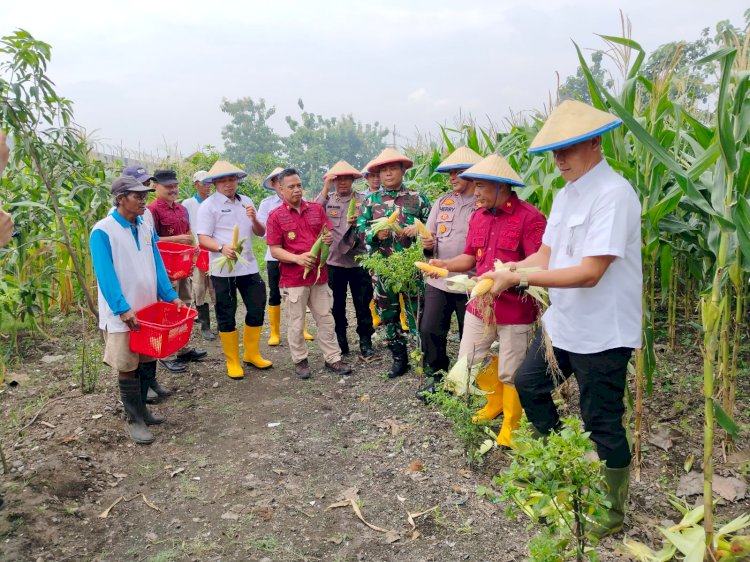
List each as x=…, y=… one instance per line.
x=726, y=423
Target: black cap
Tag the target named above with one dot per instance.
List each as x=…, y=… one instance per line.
x=123, y=184
x=166, y=177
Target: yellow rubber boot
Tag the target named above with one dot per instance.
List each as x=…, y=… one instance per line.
x=488, y=382
x=375, y=317
x=306, y=334
x=251, y=355
x=512, y=412
x=230, y=343
x=404, y=323
x=274, y=318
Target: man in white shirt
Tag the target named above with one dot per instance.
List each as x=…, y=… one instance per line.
x=217, y=217
x=591, y=261
x=202, y=286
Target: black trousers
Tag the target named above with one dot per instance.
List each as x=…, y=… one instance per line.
x=359, y=282
x=274, y=276
x=601, y=380
x=435, y=323
x=252, y=289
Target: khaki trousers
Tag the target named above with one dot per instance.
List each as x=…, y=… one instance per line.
x=514, y=341
x=184, y=289
x=202, y=288
x=319, y=299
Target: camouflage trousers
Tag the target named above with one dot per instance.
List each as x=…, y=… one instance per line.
x=389, y=309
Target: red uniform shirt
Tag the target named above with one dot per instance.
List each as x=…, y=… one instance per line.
x=296, y=232
x=509, y=234
x=169, y=221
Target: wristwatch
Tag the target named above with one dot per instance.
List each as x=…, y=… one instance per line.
x=523, y=284
x=221, y=247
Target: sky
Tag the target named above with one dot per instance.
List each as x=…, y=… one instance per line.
x=150, y=75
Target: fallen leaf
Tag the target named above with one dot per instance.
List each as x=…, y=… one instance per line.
x=731, y=489
x=68, y=439
x=415, y=466
x=663, y=440
x=689, y=460
x=120, y=475
x=392, y=536
x=739, y=458
x=690, y=484
x=465, y=473
x=176, y=472
x=264, y=512
x=399, y=498
x=97, y=416
x=279, y=471
x=415, y=535
x=104, y=514
x=410, y=517
x=393, y=426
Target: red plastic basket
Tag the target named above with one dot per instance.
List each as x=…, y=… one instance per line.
x=202, y=261
x=163, y=329
x=178, y=259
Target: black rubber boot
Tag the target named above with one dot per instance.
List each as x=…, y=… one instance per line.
x=400, y=359
x=147, y=376
x=428, y=388
x=204, y=317
x=343, y=344
x=365, y=348
x=130, y=394
x=153, y=384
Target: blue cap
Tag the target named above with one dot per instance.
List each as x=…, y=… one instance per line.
x=138, y=172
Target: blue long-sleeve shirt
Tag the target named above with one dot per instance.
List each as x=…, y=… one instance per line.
x=109, y=284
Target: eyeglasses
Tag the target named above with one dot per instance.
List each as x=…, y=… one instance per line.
x=139, y=195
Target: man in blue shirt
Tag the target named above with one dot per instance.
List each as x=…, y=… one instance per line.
x=130, y=275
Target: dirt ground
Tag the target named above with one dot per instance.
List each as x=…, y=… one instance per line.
x=247, y=470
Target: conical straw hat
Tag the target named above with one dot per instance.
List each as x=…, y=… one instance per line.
x=267, y=181
x=365, y=172
x=342, y=168
x=493, y=168
x=572, y=122
x=221, y=169
x=388, y=156
x=460, y=159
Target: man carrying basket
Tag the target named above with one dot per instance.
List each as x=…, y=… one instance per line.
x=130, y=275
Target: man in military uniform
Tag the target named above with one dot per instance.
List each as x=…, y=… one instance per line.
x=373, y=186
x=448, y=222
x=390, y=165
x=343, y=268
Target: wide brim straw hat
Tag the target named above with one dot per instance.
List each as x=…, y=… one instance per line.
x=222, y=169
x=267, y=182
x=572, y=122
x=342, y=168
x=365, y=172
x=389, y=156
x=493, y=168
x=459, y=159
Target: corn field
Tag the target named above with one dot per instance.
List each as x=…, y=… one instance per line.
x=690, y=167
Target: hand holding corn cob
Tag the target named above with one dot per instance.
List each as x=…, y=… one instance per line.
x=383, y=226
x=431, y=270
x=320, y=249
x=231, y=253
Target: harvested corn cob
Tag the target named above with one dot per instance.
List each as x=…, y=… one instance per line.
x=352, y=208
x=238, y=244
x=427, y=268
x=482, y=288
x=422, y=229
x=389, y=222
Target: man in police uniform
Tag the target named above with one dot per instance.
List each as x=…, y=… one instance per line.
x=343, y=269
x=390, y=165
x=591, y=261
x=507, y=229
x=373, y=186
x=448, y=222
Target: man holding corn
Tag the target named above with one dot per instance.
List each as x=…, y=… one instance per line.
x=227, y=222
x=342, y=209
x=507, y=229
x=591, y=261
x=390, y=166
x=445, y=238
x=299, y=237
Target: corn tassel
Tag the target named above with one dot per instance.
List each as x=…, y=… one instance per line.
x=427, y=268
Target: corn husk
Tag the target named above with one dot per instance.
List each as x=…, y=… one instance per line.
x=461, y=283
x=222, y=261
x=390, y=222
x=352, y=212
x=319, y=250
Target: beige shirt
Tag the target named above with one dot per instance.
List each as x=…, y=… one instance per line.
x=449, y=223
x=342, y=251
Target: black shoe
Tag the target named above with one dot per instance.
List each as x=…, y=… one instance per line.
x=192, y=355
x=400, y=359
x=302, y=370
x=428, y=388
x=339, y=367
x=205, y=321
x=173, y=365
x=365, y=348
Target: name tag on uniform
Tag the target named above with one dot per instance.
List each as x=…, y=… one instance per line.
x=226, y=210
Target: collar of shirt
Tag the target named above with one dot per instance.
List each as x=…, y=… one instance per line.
x=589, y=179
x=163, y=204
x=302, y=206
x=197, y=198
x=398, y=189
x=223, y=199
x=123, y=222
x=508, y=207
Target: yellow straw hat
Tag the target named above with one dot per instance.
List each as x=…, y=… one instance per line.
x=222, y=169
x=388, y=156
x=493, y=168
x=365, y=172
x=267, y=181
x=572, y=122
x=342, y=168
x=459, y=159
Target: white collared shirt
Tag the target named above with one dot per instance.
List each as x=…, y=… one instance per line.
x=597, y=215
x=266, y=206
x=217, y=216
